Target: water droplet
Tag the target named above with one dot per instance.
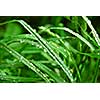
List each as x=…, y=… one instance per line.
x=98, y=53
x=40, y=46
x=21, y=58
x=31, y=64
x=21, y=41
x=53, y=64
x=57, y=70
x=10, y=51
x=51, y=80
x=15, y=60
x=45, y=42
x=37, y=70
x=44, y=75
x=34, y=30
x=32, y=43
x=65, y=50
x=45, y=50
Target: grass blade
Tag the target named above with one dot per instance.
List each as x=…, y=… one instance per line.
x=75, y=34
x=96, y=36
x=17, y=79
x=49, y=72
x=24, y=61
x=48, y=49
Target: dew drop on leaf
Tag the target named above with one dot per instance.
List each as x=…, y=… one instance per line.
x=65, y=50
x=44, y=75
x=21, y=41
x=53, y=64
x=45, y=50
x=32, y=43
x=10, y=51
x=40, y=46
x=21, y=58
x=31, y=64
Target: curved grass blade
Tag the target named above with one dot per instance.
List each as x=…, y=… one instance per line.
x=18, y=37
x=48, y=49
x=75, y=34
x=24, y=61
x=96, y=36
x=48, y=71
x=61, y=49
x=18, y=79
x=36, y=49
x=45, y=46
x=68, y=55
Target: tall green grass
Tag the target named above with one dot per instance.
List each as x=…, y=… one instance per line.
x=52, y=53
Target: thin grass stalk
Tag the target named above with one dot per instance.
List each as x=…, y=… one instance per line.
x=46, y=47
x=96, y=36
x=24, y=61
x=58, y=37
x=75, y=34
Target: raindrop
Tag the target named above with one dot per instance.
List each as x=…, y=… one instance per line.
x=32, y=43
x=57, y=70
x=40, y=46
x=44, y=42
x=10, y=51
x=45, y=50
x=53, y=64
x=65, y=50
x=21, y=41
x=44, y=75
x=98, y=53
x=51, y=80
x=21, y=58
x=57, y=47
x=15, y=60
x=37, y=69
x=34, y=30
x=31, y=64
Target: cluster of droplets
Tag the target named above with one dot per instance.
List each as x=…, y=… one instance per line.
x=44, y=75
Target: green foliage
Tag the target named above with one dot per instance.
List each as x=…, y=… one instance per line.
x=56, y=49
